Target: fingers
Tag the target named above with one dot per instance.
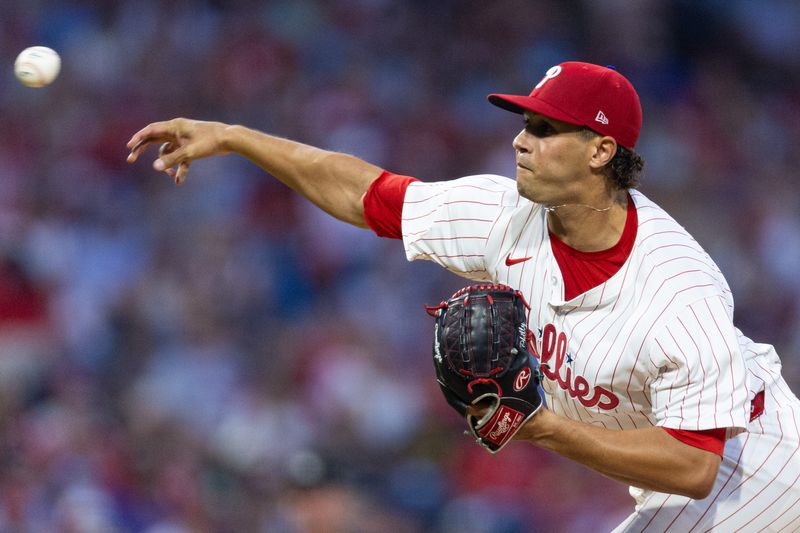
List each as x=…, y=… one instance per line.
x=135, y=151
x=182, y=173
x=157, y=132
x=166, y=148
x=171, y=155
x=174, y=158
x=479, y=409
x=151, y=133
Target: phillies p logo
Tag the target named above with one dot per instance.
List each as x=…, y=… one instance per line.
x=551, y=73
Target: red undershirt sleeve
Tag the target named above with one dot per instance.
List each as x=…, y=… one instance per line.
x=712, y=440
x=383, y=204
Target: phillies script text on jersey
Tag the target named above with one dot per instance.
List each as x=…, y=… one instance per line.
x=555, y=343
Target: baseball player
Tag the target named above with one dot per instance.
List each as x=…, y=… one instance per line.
x=646, y=379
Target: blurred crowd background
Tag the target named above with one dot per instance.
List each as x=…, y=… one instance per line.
x=222, y=356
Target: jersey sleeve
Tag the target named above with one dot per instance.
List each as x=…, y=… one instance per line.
x=383, y=204
x=701, y=379
x=451, y=222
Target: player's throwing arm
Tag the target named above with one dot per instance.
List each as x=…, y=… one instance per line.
x=333, y=181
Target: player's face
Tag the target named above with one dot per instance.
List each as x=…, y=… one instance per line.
x=553, y=161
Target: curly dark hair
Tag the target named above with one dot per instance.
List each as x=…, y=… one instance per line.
x=625, y=167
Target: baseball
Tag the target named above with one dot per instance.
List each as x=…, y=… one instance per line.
x=37, y=66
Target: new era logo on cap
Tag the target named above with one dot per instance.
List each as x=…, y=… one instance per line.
x=597, y=97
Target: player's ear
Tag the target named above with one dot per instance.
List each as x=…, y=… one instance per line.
x=604, y=150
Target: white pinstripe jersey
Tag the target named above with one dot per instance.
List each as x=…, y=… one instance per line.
x=653, y=345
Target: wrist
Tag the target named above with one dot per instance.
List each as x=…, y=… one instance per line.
x=228, y=137
x=535, y=427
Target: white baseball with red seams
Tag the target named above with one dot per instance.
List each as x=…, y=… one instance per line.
x=37, y=66
x=653, y=345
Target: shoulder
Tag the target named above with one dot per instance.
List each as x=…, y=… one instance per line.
x=669, y=260
x=487, y=189
x=660, y=236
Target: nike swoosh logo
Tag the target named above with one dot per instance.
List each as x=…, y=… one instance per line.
x=510, y=262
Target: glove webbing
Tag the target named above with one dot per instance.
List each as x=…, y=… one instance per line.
x=466, y=330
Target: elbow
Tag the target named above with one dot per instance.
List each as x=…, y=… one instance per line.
x=699, y=482
x=699, y=491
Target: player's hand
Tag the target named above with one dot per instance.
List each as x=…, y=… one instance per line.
x=182, y=141
x=480, y=409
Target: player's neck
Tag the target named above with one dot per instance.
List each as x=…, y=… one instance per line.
x=589, y=227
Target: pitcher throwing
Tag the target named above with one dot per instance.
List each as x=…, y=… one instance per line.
x=645, y=377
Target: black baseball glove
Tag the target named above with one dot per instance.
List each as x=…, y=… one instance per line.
x=481, y=356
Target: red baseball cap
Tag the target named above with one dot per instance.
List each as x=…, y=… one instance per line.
x=599, y=98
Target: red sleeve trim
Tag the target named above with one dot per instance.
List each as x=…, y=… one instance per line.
x=712, y=440
x=383, y=204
